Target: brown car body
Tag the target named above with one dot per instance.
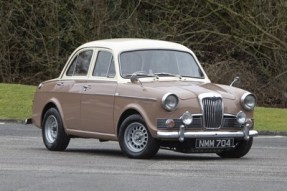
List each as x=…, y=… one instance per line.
x=103, y=105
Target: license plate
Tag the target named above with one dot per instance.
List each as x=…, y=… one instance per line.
x=214, y=143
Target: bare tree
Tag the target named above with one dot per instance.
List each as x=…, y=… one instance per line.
x=230, y=37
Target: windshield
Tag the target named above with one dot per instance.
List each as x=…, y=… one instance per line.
x=159, y=63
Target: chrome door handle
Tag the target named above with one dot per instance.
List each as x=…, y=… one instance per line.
x=60, y=83
x=86, y=87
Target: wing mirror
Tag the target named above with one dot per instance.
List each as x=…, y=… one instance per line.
x=134, y=79
x=236, y=81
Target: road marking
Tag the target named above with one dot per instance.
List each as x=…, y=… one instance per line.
x=2, y=123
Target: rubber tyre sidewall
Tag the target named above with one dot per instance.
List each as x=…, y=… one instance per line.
x=152, y=146
x=62, y=139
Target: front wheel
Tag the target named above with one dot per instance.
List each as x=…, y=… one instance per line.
x=53, y=133
x=135, y=140
x=239, y=151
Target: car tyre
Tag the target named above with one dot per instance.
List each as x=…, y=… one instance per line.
x=135, y=140
x=53, y=133
x=239, y=151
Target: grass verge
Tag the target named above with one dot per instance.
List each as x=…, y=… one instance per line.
x=16, y=103
x=270, y=119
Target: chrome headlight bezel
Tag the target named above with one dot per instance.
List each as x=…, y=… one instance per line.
x=169, y=102
x=248, y=101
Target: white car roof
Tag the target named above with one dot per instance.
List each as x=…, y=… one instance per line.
x=126, y=44
x=120, y=45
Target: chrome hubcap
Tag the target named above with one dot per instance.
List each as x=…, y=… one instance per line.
x=51, y=129
x=136, y=137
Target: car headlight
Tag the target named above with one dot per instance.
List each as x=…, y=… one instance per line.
x=248, y=101
x=169, y=102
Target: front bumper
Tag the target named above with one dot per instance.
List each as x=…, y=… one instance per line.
x=181, y=134
x=184, y=130
x=205, y=134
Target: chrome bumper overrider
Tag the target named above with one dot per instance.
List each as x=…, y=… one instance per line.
x=181, y=134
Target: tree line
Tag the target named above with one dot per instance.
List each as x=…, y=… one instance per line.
x=230, y=37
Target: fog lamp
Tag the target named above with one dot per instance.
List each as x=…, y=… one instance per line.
x=186, y=118
x=241, y=117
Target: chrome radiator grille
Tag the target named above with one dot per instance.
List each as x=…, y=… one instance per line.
x=212, y=112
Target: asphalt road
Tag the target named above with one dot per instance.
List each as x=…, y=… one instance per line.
x=25, y=165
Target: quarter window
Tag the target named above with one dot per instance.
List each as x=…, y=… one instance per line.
x=80, y=64
x=105, y=66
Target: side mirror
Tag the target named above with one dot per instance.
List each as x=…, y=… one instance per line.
x=134, y=79
x=236, y=81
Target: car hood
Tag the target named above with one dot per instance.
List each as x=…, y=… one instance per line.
x=189, y=90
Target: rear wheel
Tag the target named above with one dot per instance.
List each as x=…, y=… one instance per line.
x=135, y=140
x=239, y=151
x=53, y=133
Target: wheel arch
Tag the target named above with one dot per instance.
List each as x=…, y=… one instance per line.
x=53, y=103
x=131, y=109
x=124, y=115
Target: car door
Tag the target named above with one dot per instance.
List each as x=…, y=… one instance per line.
x=97, y=106
x=70, y=88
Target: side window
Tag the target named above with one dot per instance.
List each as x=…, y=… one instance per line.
x=71, y=70
x=105, y=66
x=80, y=64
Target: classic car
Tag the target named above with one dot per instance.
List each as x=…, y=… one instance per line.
x=145, y=94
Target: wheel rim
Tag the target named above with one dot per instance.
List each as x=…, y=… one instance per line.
x=136, y=137
x=51, y=129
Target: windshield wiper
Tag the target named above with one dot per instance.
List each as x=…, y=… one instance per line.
x=188, y=76
x=157, y=75
x=140, y=74
x=136, y=75
x=167, y=74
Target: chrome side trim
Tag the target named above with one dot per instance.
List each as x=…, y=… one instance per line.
x=204, y=134
x=131, y=97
